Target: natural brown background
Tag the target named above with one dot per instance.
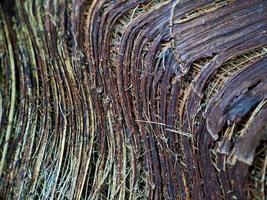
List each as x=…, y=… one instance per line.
x=135, y=99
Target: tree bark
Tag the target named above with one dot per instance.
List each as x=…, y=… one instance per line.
x=135, y=99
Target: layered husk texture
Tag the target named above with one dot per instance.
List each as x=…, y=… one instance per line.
x=133, y=99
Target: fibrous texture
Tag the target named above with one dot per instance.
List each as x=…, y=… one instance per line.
x=134, y=99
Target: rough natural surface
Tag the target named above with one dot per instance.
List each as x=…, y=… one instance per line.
x=133, y=99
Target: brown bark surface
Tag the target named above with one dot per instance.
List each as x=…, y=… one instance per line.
x=134, y=99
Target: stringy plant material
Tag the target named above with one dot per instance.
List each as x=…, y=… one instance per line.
x=230, y=68
x=150, y=99
x=204, y=10
x=257, y=187
x=188, y=79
